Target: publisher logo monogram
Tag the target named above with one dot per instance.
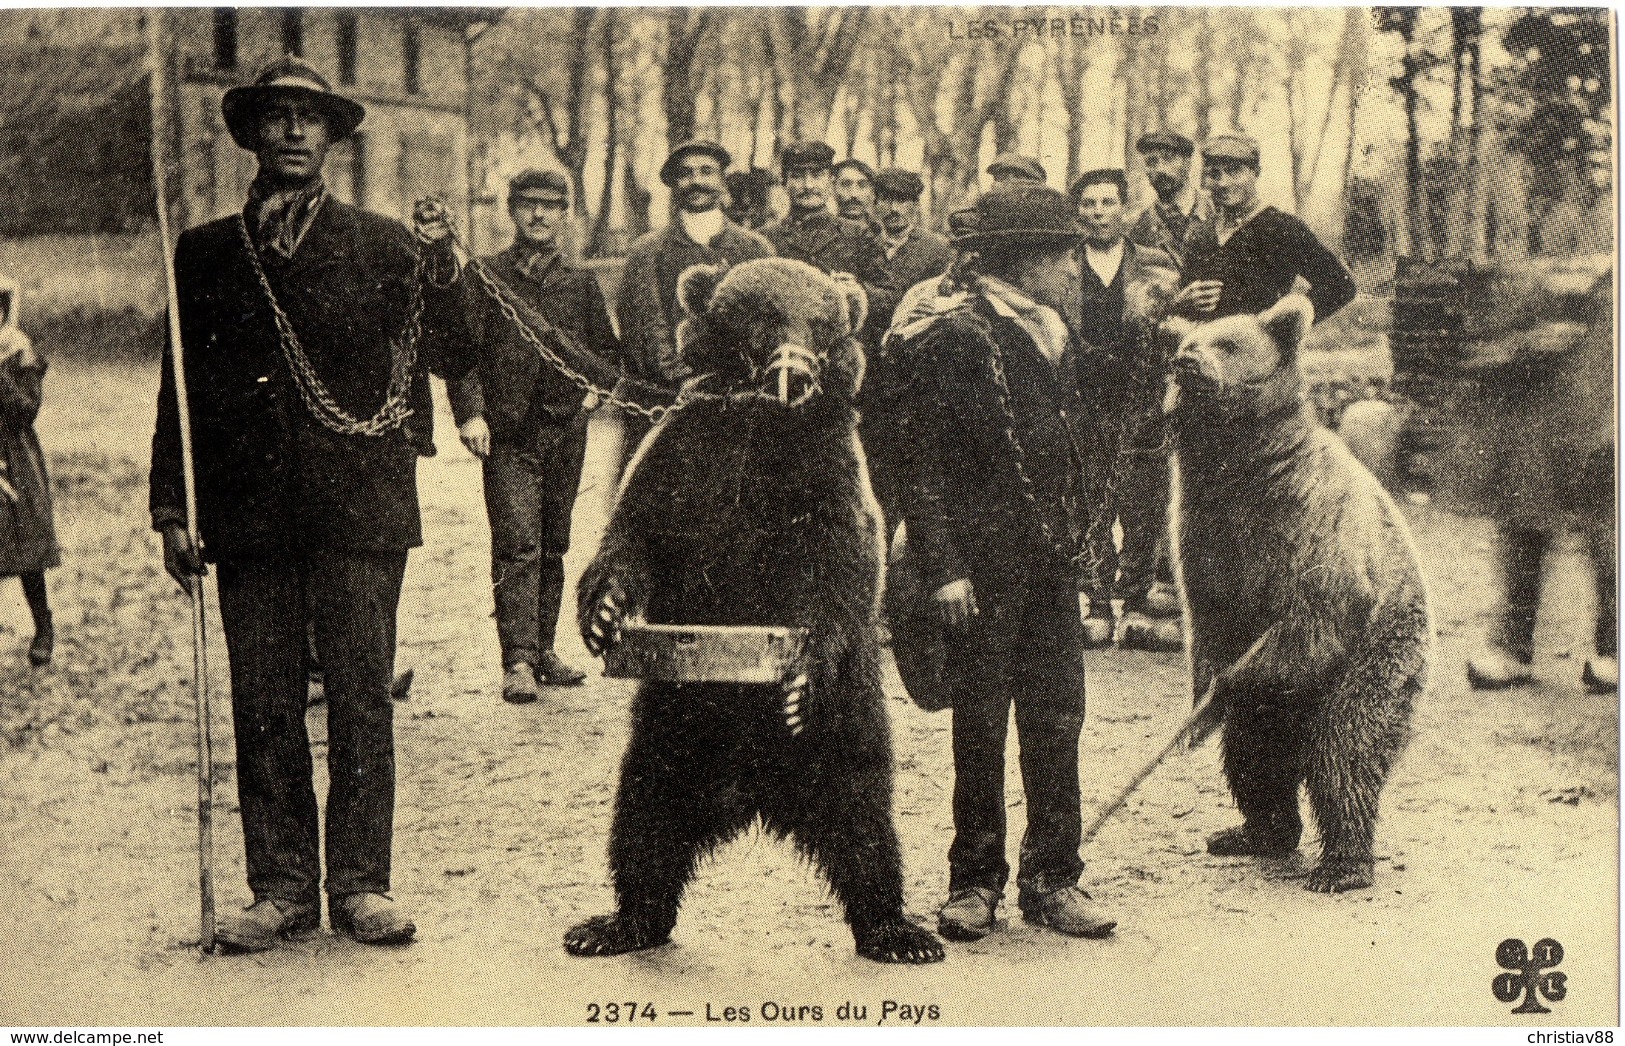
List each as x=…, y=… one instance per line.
x=1532, y=974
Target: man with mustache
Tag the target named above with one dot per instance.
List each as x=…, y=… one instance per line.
x=810, y=233
x=1249, y=255
x=309, y=331
x=1167, y=222
x=855, y=193
x=1123, y=384
x=527, y=423
x=698, y=234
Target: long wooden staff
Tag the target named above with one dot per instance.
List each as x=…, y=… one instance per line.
x=200, y=652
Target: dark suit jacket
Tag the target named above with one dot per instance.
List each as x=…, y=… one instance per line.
x=511, y=387
x=1260, y=262
x=271, y=480
x=967, y=516
x=836, y=244
x=1110, y=363
x=923, y=255
x=647, y=305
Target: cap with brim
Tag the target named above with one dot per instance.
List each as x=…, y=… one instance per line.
x=1018, y=165
x=549, y=186
x=1174, y=143
x=1016, y=215
x=1236, y=148
x=289, y=75
x=705, y=147
x=894, y=183
x=817, y=155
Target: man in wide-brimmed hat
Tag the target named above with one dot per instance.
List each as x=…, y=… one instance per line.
x=997, y=437
x=699, y=234
x=296, y=322
x=810, y=233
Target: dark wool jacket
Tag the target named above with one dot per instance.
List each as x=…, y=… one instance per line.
x=1121, y=372
x=923, y=255
x=1259, y=263
x=512, y=387
x=647, y=307
x=966, y=514
x=271, y=480
x=835, y=244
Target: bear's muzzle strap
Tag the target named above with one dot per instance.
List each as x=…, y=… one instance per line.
x=791, y=377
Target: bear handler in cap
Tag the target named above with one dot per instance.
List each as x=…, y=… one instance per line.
x=1249, y=255
x=527, y=424
x=855, y=191
x=826, y=241
x=305, y=366
x=997, y=447
x=1168, y=220
x=698, y=234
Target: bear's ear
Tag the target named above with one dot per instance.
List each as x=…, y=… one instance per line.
x=1287, y=322
x=696, y=286
x=857, y=300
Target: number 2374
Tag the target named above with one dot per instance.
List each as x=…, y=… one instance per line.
x=620, y=1012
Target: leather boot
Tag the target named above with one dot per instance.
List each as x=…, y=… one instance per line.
x=264, y=923
x=1068, y=910
x=371, y=918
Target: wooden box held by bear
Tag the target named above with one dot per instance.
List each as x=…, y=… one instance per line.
x=706, y=653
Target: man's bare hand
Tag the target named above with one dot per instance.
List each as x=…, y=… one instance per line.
x=182, y=560
x=1201, y=296
x=956, y=602
x=476, y=436
x=431, y=223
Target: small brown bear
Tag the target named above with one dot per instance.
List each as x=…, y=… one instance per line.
x=1308, y=616
x=750, y=504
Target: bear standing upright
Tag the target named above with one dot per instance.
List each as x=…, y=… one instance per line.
x=1308, y=616
x=750, y=505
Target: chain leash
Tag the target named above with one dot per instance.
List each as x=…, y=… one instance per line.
x=403, y=353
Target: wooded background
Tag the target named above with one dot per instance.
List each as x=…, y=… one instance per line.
x=1424, y=131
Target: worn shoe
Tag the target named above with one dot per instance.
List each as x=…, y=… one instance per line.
x=40, y=650
x=519, y=684
x=1162, y=601
x=1068, y=910
x=371, y=918
x=1494, y=669
x=1098, y=632
x=554, y=672
x=1601, y=674
x=970, y=914
x=264, y=923
x=1140, y=631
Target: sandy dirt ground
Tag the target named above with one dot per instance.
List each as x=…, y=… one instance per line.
x=1502, y=821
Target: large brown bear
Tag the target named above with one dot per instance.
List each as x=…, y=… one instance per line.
x=750, y=505
x=1308, y=617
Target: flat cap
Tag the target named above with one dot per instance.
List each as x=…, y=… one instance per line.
x=1015, y=165
x=1174, y=143
x=552, y=185
x=807, y=154
x=894, y=183
x=857, y=164
x=1242, y=148
x=703, y=146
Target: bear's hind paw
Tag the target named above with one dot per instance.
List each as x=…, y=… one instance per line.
x=900, y=941
x=610, y=935
x=1338, y=876
x=1240, y=841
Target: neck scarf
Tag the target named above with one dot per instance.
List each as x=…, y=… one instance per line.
x=704, y=226
x=534, y=260
x=1042, y=323
x=280, y=218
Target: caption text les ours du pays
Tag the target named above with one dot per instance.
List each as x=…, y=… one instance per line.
x=1040, y=28
x=887, y=1012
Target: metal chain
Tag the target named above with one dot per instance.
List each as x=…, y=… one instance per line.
x=500, y=294
x=403, y=352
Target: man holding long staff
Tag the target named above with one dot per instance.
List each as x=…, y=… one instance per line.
x=309, y=328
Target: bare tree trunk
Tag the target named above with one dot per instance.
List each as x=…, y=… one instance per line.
x=1071, y=65
x=1202, y=74
x=612, y=132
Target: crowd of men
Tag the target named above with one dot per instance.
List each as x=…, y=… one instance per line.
x=1011, y=421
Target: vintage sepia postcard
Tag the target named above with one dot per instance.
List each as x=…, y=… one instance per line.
x=808, y=516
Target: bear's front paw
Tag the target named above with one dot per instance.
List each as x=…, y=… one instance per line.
x=610, y=935
x=899, y=941
x=1338, y=876
x=794, y=694
x=601, y=619
x=1242, y=841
